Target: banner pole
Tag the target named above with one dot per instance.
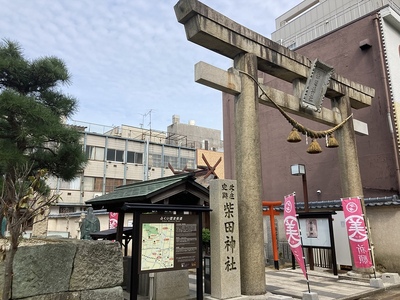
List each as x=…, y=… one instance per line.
x=304, y=257
x=293, y=233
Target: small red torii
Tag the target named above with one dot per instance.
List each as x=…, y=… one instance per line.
x=271, y=212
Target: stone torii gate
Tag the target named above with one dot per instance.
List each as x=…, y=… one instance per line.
x=251, y=53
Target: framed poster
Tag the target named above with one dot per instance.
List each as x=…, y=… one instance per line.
x=315, y=232
x=168, y=242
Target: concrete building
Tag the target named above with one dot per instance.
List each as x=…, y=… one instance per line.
x=193, y=136
x=124, y=155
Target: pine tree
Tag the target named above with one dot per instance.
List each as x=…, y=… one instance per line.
x=34, y=141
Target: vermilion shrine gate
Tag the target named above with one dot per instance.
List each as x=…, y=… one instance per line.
x=251, y=53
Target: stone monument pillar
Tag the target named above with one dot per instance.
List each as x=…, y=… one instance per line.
x=224, y=239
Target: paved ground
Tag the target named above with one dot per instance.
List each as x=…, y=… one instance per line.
x=292, y=283
x=392, y=294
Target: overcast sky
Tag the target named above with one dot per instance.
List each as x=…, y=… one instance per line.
x=129, y=59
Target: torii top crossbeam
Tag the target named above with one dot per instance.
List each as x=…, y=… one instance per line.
x=212, y=30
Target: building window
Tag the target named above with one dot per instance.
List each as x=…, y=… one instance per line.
x=98, y=184
x=115, y=155
x=159, y=161
x=292, y=46
x=66, y=210
x=206, y=145
x=112, y=183
x=134, y=157
x=173, y=160
x=95, y=153
x=29, y=224
x=188, y=162
x=88, y=184
x=155, y=160
x=73, y=184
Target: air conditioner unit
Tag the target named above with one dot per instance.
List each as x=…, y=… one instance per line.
x=117, y=131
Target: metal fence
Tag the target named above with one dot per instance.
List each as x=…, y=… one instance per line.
x=322, y=257
x=285, y=254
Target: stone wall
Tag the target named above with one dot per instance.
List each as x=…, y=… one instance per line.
x=51, y=269
x=385, y=224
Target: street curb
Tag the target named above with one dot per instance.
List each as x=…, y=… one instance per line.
x=370, y=293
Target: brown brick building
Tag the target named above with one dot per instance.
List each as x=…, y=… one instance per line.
x=365, y=49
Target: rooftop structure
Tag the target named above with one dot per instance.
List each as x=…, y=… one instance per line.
x=314, y=18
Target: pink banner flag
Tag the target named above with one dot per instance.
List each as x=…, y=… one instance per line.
x=113, y=220
x=292, y=231
x=357, y=232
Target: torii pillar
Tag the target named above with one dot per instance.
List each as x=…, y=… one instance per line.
x=251, y=53
x=248, y=176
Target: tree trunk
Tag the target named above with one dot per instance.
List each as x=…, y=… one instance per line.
x=8, y=273
x=1, y=223
x=8, y=263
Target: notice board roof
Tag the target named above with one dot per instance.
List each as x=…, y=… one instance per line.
x=162, y=207
x=181, y=189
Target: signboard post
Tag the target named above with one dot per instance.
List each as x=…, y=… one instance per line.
x=161, y=229
x=317, y=232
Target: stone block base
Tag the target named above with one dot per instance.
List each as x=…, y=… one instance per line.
x=99, y=294
x=392, y=278
x=376, y=282
x=310, y=296
x=279, y=297
x=266, y=296
x=103, y=294
x=235, y=298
